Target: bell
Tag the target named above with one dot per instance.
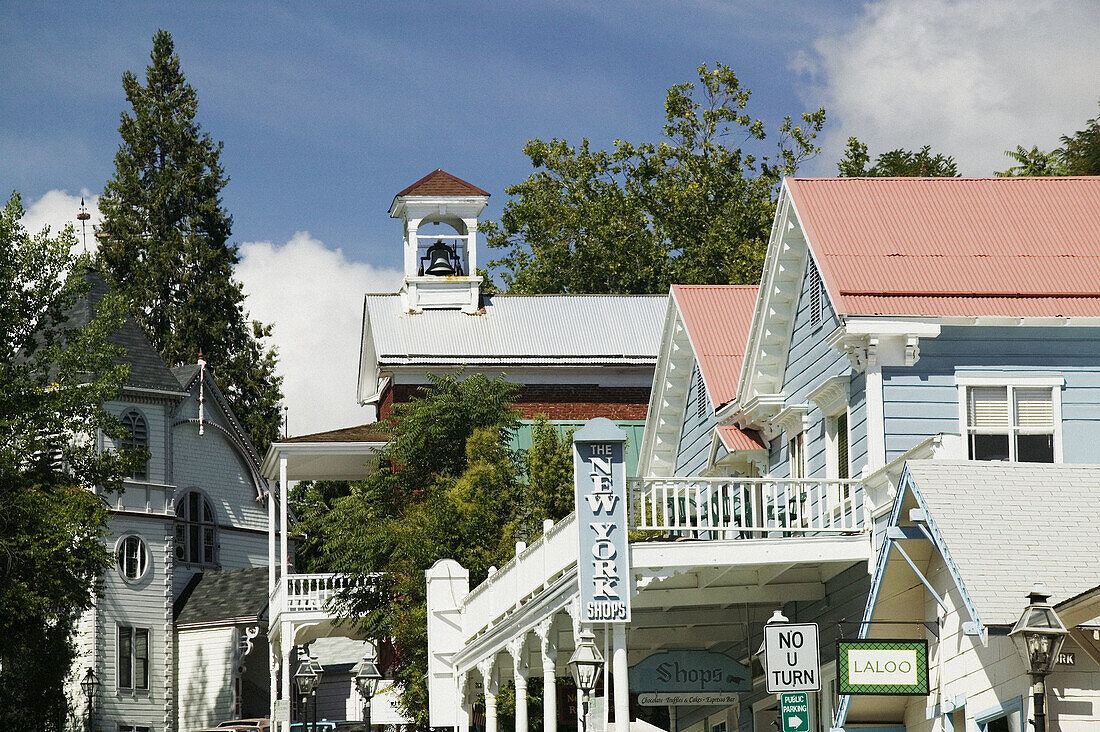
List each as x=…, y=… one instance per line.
x=439, y=260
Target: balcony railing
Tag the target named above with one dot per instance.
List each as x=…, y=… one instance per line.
x=308, y=592
x=744, y=508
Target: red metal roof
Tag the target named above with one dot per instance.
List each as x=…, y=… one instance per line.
x=734, y=438
x=441, y=183
x=1027, y=247
x=718, y=318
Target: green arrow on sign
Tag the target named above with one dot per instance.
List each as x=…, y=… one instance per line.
x=794, y=709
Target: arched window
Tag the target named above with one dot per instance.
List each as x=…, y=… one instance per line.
x=136, y=437
x=133, y=558
x=195, y=529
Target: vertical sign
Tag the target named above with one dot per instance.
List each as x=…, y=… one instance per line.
x=791, y=657
x=599, y=480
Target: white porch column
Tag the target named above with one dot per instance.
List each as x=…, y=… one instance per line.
x=547, y=633
x=462, y=714
x=286, y=639
x=489, y=681
x=284, y=555
x=270, y=543
x=273, y=680
x=520, y=670
x=619, y=669
x=876, y=416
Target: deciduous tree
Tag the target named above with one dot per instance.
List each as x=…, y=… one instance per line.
x=54, y=377
x=895, y=163
x=695, y=207
x=164, y=243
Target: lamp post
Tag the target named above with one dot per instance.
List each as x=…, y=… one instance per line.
x=307, y=678
x=89, y=685
x=1039, y=635
x=585, y=665
x=367, y=677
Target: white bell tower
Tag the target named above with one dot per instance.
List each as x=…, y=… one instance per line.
x=440, y=264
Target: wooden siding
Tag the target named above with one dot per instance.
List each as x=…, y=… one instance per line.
x=694, y=447
x=144, y=603
x=810, y=362
x=922, y=400
x=204, y=670
x=156, y=417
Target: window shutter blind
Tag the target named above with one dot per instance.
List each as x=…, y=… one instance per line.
x=1034, y=409
x=987, y=407
x=815, y=294
x=842, y=446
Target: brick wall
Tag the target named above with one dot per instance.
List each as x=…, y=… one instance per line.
x=555, y=401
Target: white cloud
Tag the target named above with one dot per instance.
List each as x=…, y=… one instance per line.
x=314, y=297
x=972, y=79
x=57, y=208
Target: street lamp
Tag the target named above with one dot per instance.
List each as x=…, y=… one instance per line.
x=89, y=685
x=1039, y=635
x=307, y=678
x=585, y=665
x=367, y=677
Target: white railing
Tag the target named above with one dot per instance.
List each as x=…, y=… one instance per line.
x=308, y=592
x=532, y=569
x=744, y=508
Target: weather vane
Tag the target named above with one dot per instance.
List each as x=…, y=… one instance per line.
x=83, y=217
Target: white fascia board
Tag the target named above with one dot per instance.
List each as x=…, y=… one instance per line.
x=474, y=204
x=270, y=467
x=746, y=386
x=1037, y=322
x=920, y=327
x=1001, y=378
x=657, y=389
x=368, y=385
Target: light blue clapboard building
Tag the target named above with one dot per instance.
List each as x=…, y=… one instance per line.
x=824, y=445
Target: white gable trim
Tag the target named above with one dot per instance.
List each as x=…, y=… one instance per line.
x=760, y=388
x=668, y=397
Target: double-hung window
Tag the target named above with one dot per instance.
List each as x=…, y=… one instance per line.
x=1012, y=419
x=133, y=657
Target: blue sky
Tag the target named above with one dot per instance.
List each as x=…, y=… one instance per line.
x=327, y=109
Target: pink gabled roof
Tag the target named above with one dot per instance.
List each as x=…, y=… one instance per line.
x=1024, y=247
x=441, y=183
x=718, y=318
x=735, y=438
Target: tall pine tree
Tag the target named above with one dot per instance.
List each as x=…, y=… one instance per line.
x=164, y=243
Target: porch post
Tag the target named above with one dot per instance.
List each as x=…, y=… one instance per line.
x=520, y=669
x=489, y=680
x=619, y=669
x=549, y=646
x=286, y=644
x=462, y=714
x=270, y=541
x=284, y=555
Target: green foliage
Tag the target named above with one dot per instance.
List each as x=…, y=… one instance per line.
x=164, y=243
x=1033, y=162
x=549, y=468
x=1080, y=152
x=1079, y=155
x=448, y=486
x=53, y=379
x=689, y=209
x=895, y=163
